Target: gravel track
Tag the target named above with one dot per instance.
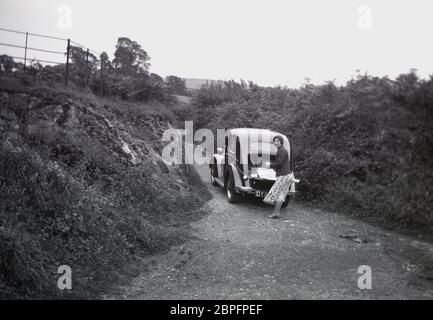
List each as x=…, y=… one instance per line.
x=235, y=252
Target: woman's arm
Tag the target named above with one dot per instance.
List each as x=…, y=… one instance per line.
x=279, y=161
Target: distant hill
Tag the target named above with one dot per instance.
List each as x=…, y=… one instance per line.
x=192, y=83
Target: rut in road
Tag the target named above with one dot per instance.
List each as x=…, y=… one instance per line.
x=236, y=253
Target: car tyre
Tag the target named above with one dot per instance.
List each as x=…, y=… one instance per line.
x=212, y=177
x=232, y=196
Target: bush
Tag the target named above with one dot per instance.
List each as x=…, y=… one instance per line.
x=364, y=148
x=70, y=193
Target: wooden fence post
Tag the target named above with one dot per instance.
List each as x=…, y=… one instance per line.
x=25, y=52
x=87, y=68
x=67, y=63
x=102, y=74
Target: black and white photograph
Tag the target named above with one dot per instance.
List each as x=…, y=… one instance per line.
x=239, y=152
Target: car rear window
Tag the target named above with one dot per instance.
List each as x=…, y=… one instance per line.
x=253, y=159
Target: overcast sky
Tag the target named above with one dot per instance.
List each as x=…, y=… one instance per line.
x=270, y=42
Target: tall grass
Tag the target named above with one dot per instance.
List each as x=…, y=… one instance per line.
x=70, y=195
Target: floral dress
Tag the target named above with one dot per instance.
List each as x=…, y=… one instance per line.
x=280, y=189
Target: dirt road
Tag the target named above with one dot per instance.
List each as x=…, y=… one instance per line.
x=237, y=253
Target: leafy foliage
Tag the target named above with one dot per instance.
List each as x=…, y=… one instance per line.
x=364, y=148
x=83, y=65
x=176, y=85
x=126, y=76
x=130, y=59
x=71, y=193
x=7, y=64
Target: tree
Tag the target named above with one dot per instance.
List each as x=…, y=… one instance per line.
x=130, y=58
x=35, y=68
x=82, y=65
x=176, y=85
x=7, y=64
x=106, y=63
x=156, y=78
x=79, y=58
x=408, y=89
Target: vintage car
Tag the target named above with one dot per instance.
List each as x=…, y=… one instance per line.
x=238, y=165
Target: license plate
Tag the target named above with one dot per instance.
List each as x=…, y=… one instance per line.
x=261, y=194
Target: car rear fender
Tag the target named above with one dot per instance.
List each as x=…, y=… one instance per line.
x=231, y=169
x=219, y=164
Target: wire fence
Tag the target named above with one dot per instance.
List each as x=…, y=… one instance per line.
x=68, y=43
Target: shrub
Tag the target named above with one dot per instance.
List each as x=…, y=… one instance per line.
x=363, y=148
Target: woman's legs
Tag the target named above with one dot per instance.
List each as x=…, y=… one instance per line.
x=276, y=213
x=278, y=192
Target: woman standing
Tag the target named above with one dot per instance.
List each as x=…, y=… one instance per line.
x=284, y=172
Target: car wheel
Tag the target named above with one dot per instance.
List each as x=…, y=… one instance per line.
x=212, y=177
x=232, y=196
